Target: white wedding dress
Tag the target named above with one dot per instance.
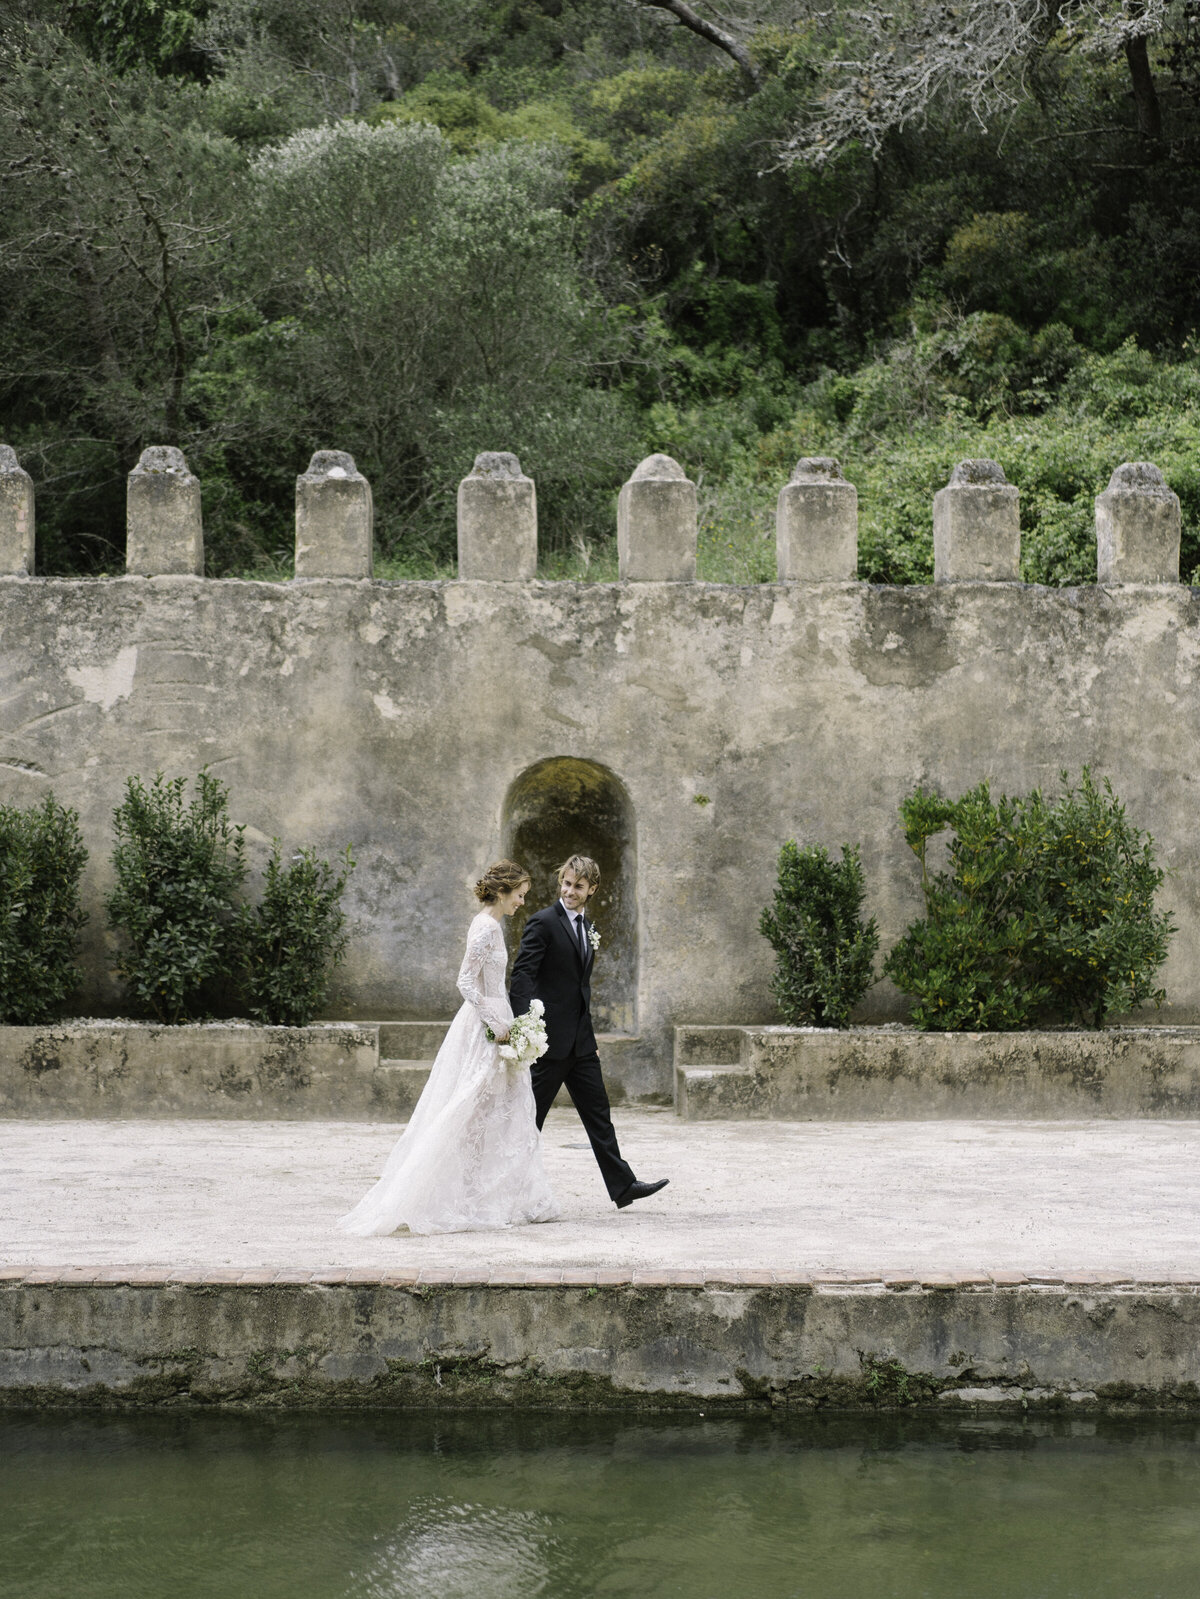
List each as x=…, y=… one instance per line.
x=471, y=1156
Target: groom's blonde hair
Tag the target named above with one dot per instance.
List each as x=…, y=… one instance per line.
x=580, y=866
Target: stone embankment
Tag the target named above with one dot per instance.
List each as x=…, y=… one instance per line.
x=594, y=1339
x=986, y=1264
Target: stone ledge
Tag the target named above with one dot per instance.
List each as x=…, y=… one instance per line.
x=897, y=1073
x=340, y=1071
x=215, y=1069
x=819, y=1282
x=351, y=1339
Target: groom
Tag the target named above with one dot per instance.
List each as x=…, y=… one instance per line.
x=554, y=964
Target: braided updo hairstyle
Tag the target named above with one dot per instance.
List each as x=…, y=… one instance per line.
x=500, y=879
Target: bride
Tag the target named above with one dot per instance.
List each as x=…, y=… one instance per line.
x=470, y=1157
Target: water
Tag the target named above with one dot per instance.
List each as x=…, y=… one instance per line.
x=497, y=1507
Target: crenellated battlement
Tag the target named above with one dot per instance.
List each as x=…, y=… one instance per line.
x=976, y=522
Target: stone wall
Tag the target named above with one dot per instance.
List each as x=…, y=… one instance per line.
x=689, y=728
x=594, y=1340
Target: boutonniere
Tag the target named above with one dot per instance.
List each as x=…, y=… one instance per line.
x=593, y=939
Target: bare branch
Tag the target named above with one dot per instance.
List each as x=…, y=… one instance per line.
x=976, y=52
x=714, y=35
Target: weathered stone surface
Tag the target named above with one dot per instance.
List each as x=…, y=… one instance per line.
x=656, y=524
x=164, y=530
x=817, y=1074
x=816, y=524
x=335, y=518
x=1137, y=527
x=220, y=1069
x=360, y=1340
x=16, y=516
x=407, y=1051
x=352, y=1071
x=497, y=521
x=977, y=526
x=398, y=717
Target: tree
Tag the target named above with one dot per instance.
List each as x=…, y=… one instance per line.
x=886, y=65
x=142, y=33
x=340, y=56
x=424, y=308
x=118, y=206
x=721, y=37
x=979, y=54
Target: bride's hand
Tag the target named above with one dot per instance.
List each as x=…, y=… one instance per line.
x=502, y=1038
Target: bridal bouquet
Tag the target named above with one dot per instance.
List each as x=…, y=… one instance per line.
x=527, y=1039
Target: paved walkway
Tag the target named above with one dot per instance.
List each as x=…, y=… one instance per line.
x=1040, y=1198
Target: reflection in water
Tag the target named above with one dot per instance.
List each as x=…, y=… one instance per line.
x=459, y=1551
x=681, y=1507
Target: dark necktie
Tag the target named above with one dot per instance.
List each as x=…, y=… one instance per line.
x=582, y=939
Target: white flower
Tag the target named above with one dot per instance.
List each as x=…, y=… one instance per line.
x=593, y=939
x=527, y=1039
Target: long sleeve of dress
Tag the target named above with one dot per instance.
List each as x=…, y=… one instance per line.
x=493, y=1010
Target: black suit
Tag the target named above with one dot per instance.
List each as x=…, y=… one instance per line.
x=551, y=966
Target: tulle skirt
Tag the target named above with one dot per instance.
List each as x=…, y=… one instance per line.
x=470, y=1159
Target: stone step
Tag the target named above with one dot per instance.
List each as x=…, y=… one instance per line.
x=708, y=1046
x=710, y=1082
x=717, y=1093
x=397, y=1087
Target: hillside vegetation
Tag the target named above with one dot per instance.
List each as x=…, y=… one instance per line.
x=586, y=230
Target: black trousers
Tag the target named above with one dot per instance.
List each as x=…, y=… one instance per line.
x=581, y=1076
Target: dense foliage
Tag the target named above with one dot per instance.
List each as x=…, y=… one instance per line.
x=416, y=229
x=1046, y=909
x=188, y=942
x=1104, y=941
x=41, y=860
x=177, y=870
x=290, y=942
x=823, y=948
x=970, y=963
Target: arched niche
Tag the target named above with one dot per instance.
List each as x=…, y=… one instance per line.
x=561, y=807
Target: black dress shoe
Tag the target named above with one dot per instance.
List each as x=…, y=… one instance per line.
x=640, y=1191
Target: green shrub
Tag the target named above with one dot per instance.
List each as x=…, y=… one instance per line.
x=177, y=869
x=1047, y=909
x=290, y=943
x=823, y=948
x=970, y=962
x=41, y=860
x=1102, y=942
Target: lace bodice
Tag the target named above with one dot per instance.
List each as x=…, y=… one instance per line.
x=481, y=976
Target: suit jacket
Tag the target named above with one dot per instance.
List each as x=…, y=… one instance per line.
x=549, y=967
